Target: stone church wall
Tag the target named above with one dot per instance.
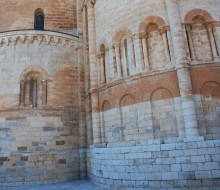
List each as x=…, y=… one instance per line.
x=39, y=140
x=145, y=99
x=133, y=102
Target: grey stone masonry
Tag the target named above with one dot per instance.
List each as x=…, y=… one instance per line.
x=162, y=166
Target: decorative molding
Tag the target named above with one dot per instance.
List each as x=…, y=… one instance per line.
x=38, y=37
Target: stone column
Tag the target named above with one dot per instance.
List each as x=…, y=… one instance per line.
x=34, y=90
x=106, y=64
x=111, y=65
x=124, y=60
x=183, y=74
x=138, y=54
x=212, y=41
x=190, y=42
x=118, y=60
x=102, y=57
x=163, y=32
x=22, y=92
x=145, y=51
x=99, y=68
x=44, y=87
x=131, y=63
x=114, y=61
x=84, y=123
x=93, y=73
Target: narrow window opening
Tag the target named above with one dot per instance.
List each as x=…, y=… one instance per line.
x=39, y=20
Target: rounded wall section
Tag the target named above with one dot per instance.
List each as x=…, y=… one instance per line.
x=112, y=17
x=39, y=109
x=143, y=130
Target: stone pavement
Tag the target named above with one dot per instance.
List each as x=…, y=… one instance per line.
x=75, y=185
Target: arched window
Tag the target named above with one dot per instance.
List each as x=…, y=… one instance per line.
x=39, y=20
x=33, y=90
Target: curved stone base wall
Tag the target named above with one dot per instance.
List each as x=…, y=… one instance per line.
x=163, y=166
x=38, y=146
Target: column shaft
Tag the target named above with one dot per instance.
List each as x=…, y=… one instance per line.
x=145, y=54
x=102, y=68
x=93, y=73
x=183, y=74
x=139, y=59
x=114, y=62
x=22, y=93
x=34, y=96
x=118, y=61
x=124, y=61
x=190, y=42
x=212, y=42
x=44, y=85
x=166, y=47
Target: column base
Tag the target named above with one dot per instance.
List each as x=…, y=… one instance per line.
x=99, y=145
x=83, y=175
x=216, y=59
x=119, y=77
x=194, y=61
x=193, y=139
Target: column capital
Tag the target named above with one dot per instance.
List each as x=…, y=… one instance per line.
x=116, y=45
x=98, y=56
x=107, y=49
x=102, y=54
x=135, y=36
x=94, y=91
x=163, y=29
x=209, y=24
x=90, y=3
x=44, y=81
x=143, y=35
x=187, y=26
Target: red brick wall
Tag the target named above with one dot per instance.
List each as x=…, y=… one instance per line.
x=19, y=14
x=141, y=90
x=200, y=76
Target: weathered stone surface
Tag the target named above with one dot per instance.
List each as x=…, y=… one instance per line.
x=126, y=93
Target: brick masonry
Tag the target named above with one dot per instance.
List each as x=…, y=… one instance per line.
x=59, y=15
x=131, y=102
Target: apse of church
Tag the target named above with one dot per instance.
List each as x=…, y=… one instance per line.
x=124, y=93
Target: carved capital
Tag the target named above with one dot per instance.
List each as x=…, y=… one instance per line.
x=102, y=54
x=188, y=26
x=94, y=91
x=143, y=35
x=90, y=3
x=163, y=29
x=22, y=82
x=116, y=45
x=44, y=82
x=209, y=25
x=136, y=36
x=98, y=56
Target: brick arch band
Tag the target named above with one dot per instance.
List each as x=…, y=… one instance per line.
x=38, y=69
x=197, y=12
x=151, y=19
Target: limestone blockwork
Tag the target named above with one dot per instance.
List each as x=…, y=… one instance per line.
x=123, y=93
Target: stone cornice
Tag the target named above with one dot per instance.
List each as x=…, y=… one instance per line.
x=41, y=37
